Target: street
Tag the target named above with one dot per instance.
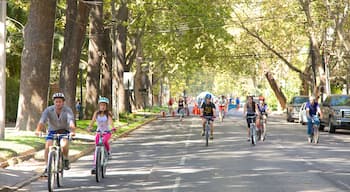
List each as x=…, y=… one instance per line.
x=169, y=155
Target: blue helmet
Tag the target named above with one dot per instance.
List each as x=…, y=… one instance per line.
x=103, y=100
x=208, y=96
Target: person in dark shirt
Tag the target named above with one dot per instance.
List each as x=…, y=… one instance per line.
x=312, y=109
x=208, y=110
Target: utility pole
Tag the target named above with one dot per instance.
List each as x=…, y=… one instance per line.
x=3, y=14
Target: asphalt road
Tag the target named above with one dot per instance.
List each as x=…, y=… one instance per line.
x=169, y=155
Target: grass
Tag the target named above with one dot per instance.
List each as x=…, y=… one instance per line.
x=17, y=142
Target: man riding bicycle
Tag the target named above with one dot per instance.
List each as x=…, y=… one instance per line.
x=180, y=104
x=208, y=110
x=250, y=110
x=312, y=109
x=263, y=111
x=60, y=119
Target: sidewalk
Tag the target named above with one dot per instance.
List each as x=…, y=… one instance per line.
x=19, y=174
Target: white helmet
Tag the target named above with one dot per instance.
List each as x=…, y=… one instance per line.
x=58, y=95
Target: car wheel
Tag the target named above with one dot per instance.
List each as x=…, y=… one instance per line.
x=321, y=128
x=331, y=127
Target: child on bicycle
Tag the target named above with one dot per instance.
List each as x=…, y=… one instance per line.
x=312, y=109
x=208, y=109
x=263, y=110
x=104, y=122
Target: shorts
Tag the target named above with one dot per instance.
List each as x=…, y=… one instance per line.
x=249, y=120
x=51, y=133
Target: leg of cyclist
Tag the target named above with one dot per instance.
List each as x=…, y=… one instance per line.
x=248, y=129
x=211, y=129
x=106, y=138
x=203, y=126
x=309, y=129
x=65, y=150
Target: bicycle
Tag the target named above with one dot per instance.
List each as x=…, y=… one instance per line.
x=207, y=129
x=251, y=119
x=55, y=162
x=315, y=134
x=182, y=113
x=101, y=157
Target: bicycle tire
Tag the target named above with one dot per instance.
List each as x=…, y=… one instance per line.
x=207, y=134
x=59, y=173
x=98, y=165
x=51, y=171
x=104, y=163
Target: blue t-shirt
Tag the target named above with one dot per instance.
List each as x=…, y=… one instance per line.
x=312, y=108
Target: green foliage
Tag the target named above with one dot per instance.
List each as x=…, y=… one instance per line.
x=12, y=95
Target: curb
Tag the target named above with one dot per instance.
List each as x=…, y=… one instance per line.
x=72, y=159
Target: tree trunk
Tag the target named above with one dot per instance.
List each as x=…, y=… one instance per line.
x=36, y=62
x=122, y=17
x=276, y=89
x=75, y=30
x=95, y=57
x=106, y=67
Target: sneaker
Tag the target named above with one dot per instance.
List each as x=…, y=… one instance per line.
x=93, y=171
x=45, y=174
x=248, y=139
x=66, y=165
x=202, y=132
x=309, y=140
x=211, y=137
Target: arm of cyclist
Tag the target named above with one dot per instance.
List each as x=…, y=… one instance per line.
x=110, y=122
x=245, y=110
x=92, y=121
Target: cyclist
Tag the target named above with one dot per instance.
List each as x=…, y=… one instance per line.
x=312, y=109
x=263, y=111
x=104, y=120
x=181, y=105
x=60, y=119
x=208, y=109
x=222, y=106
x=250, y=109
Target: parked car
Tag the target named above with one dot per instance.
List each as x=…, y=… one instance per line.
x=293, y=107
x=336, y=112
x=302, y=114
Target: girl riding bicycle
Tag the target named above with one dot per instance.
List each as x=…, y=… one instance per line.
x=104, y=122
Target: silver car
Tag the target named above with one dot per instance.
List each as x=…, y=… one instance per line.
x=336, y=112
x=293, y=107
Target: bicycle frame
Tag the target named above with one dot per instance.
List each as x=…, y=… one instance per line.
x=55, y=162
x=252, y=129
x=101, y=157
x=207, y=129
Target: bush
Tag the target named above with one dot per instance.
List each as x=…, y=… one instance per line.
x=12, y=95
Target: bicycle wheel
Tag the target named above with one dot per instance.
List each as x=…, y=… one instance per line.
x=51, y=171
x=207, y=128
x=104, y=163
x=59, y=173
x=98, y=157
x=252, y=134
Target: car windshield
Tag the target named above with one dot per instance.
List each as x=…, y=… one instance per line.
x=300, y=100
x=341, y=100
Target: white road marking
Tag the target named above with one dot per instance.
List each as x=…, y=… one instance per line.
x=182, y=162
x=344, y=184
x=177, y=184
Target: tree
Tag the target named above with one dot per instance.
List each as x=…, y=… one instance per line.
x=77, y=13
x=36, y=60
x=95, y=57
